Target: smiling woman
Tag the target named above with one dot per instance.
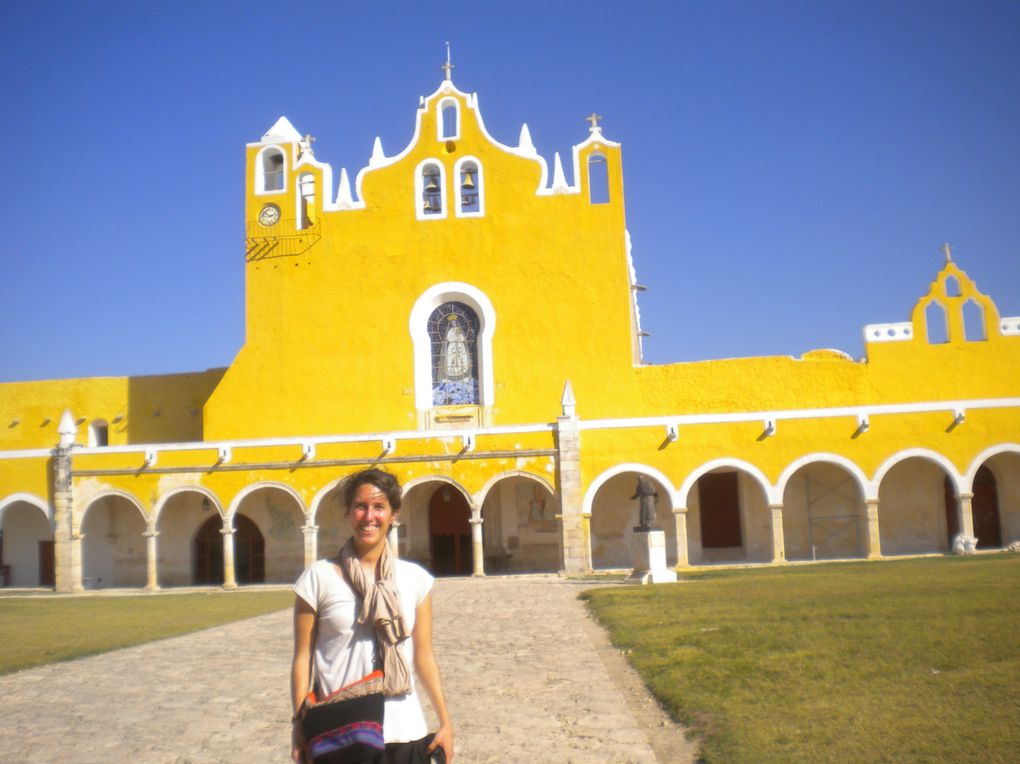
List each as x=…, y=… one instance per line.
x=361, y=620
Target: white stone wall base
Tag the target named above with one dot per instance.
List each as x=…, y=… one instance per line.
x=649, y=548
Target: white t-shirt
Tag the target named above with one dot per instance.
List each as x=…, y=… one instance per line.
x=344, y=650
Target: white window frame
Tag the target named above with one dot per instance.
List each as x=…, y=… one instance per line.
x=419, y=191
x=479, y=187
x=432, y=298
x=440, y=107
x=260, y=172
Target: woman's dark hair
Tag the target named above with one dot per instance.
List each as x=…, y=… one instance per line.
x=381, y=479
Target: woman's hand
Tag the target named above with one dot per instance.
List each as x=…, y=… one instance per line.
x=444, y=740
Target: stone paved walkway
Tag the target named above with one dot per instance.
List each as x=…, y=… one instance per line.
x=528, y=677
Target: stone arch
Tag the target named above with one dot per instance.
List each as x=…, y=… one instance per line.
x=161, y=502
x=520, y=532
x=479, y=498
x=130, y=498
x=923, y=453
x=113, y=546
x=984, y=456
x=27, y=525
x=824, y=514
x=619, y=469
x=613, y=515
x=265, y=504
x=913, y=512
x=683, y=495
x=27, y=498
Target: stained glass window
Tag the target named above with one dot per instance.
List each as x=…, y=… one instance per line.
x=453, y=331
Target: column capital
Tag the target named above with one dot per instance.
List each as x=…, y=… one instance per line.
x=679, y=511
x=306, y=529
x=965, y=495
x=150, y=533
x=775, y=507
x=476, y=521
x=228, y=531
x=871, y=502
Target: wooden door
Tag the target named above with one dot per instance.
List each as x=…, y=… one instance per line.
x=450, y=532
x=47, y=564
x=985, y=507
x=719, y=502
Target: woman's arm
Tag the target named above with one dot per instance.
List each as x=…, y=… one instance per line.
x=428, y=672
x=300, y=669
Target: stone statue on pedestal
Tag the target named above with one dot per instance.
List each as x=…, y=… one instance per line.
x=647, y=498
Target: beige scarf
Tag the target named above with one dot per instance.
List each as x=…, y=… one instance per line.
x=381, y=607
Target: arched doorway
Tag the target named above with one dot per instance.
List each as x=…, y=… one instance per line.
x=823, y=513
x=614, y=514
x=114, y=547
x=280, y=513
x=26, y=545
x=450, y=533
x=984, y=507
x=910, y=519
x=249, y=552
x=520, y=532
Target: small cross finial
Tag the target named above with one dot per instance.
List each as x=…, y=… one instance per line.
x=947, y=251
x=594, y=119
x=309, y=138
x=447, y=67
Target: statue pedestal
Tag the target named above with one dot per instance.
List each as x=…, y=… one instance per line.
x=649, y=547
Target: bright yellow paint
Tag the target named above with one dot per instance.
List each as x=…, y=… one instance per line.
x=328, y=349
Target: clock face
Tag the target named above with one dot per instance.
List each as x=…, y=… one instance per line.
x=269, y=215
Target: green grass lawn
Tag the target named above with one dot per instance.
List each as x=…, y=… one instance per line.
x=37, y=630
x=910, y=660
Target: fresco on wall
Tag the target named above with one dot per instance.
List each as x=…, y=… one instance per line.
x=536, y=510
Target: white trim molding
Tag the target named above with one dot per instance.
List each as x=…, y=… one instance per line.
x=820, y=457
x=27, y=498
x=989, y=453
x=484, y=492
x=133, y=500
x=157, y=509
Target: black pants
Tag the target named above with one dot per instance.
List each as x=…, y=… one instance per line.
x=414, y=752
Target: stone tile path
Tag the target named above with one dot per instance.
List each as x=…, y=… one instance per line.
x=529, y=678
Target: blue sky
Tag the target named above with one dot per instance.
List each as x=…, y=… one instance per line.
x=791, y=168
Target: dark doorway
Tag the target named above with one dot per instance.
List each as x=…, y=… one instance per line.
x=47, y=566
x=985, y=506
x=719, y=501
x=249, y=552
x=450, y=532
x=952, y=519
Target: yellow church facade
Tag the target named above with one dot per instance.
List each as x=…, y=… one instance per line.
x=391, y=321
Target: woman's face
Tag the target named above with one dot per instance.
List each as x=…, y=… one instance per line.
x=371, y=516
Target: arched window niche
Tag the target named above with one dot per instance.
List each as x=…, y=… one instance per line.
x=952, y=286
x=452, y=325
x=448, y=122
x=974, y=321
x=453, y=333
x=935, y=323
x=270, y=171
x=429, y=182
x=598, y=179
x=99, y=433
x=470, y=188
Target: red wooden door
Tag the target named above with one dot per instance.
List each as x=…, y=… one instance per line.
x=450, y=531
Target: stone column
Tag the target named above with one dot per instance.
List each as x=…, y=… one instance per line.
x=229, y=579
x=778, y=541
x=680, y=518
x=477, y=548
x=151, y=551
x=62, y=511
x=311, y=533
x=873, y=537
x=574, y=527
x=965, y=515
x=75, y=557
